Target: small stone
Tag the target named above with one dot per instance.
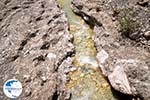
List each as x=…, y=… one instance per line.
x=147, y=35
x=104, y=85
x=134, y=36
x=73, y=69
x=82, y=75
x=143, y=3
x=51, y=55
x=27, y=78
x=43, y=78
x=61, y=33
x=102, y=56
x=70, y=70
x=113, y=19
x=28, y=91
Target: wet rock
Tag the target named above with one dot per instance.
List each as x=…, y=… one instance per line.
x=90, y=20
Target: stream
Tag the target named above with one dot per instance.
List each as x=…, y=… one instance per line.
x=87, y=82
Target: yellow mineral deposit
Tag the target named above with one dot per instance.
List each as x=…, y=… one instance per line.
x=87, y=82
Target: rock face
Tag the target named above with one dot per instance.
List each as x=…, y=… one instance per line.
x=35, y=48
x=123, y=50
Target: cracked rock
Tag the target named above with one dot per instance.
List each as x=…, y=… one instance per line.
x=34, y=36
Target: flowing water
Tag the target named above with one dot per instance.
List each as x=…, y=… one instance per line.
x=87, y=82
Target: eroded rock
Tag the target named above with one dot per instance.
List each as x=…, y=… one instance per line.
x=125, y=60
x=34, y=42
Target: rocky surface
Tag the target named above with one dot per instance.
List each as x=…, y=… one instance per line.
x=35, y=47
x=122, y=41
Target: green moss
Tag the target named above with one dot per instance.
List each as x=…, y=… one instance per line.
x=126, y=18
x=127, y=25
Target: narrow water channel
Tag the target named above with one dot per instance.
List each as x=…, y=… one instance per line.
x=87, y=82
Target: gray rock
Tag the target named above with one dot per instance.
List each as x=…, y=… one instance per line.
x=34, y=42
x=119, y=81
x=124, y=61
x=147, y=35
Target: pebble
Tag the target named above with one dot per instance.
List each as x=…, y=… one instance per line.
x=51, y=55
x=143, y=2
x=135, y=35
x=27, y=78
x=44, y=79
x=102, y=56
x=147, y=35
x=28, y=91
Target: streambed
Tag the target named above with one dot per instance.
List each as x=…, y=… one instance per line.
x=87, y=81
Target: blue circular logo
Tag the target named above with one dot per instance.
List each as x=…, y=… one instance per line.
x=12, y=88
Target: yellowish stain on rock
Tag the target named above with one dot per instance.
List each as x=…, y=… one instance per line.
x=87, y=82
